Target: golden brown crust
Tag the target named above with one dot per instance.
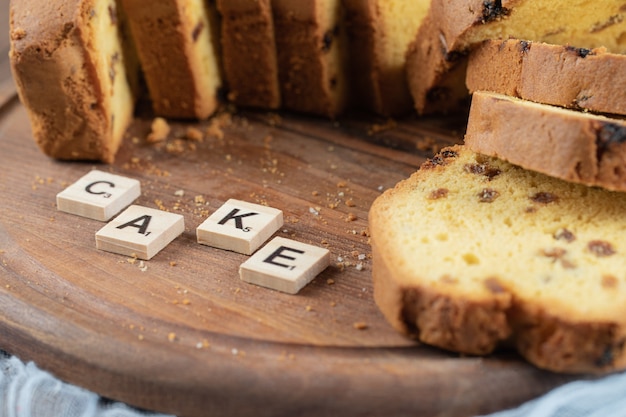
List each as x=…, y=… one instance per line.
x=551, y=74
x=311, y=60
x=249, y=52
x=567, y=144
x=439, y=319
x=52, y=50
x=165, y=35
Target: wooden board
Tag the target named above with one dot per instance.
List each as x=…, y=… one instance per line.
x=181, y=333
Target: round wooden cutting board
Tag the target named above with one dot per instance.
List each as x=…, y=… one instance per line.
x=181, y=333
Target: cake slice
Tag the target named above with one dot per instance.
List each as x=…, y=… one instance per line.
x=472, y=253
x=379, y=34
x=249, y=53
x=177, y=48
x=74, y=75
x=579, y=78
x=568, y=144
x=437, y=58
x=312, y=55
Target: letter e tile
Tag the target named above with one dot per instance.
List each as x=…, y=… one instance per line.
x=284, y=265
x=239, y=226
x=140, y=231
x=98, y=195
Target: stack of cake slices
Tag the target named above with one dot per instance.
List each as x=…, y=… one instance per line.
x=94, y=58
x=516, y=238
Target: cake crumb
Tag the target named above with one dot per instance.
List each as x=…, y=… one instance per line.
x=171, y=337
x=194, y=134
x=18, y=34
x=160, y=129
x=360, y=325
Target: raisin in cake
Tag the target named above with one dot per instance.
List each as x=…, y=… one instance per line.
x=436, y=60
x=379, y=33
x=312, y=55
x=73, y=75
x=177, y=49
x=472, y=253
x=249, y=53
x=579, y=78
x=568, y=144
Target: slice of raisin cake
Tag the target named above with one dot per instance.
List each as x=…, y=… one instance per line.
x=249, y=53
x=178, y=50
x=568, y=144
x=379, y=34
x=561, y=75
x=472, y=253
x=74, y=75
x=312, y=55
x=437, y=58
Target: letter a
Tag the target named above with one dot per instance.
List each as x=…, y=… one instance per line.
x=140, y=223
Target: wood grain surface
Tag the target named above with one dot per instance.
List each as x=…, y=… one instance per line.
x=181, y=333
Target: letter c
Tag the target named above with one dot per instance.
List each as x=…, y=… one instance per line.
x=90, y=191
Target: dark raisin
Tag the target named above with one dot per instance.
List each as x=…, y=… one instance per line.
x=607, y=134
x=438, y=193
x=544, y=198
x=606, y=359
x=580, y=52
x=564, y=234
x=488, y=195
x=327, y=40
x=437, y=94
x=601, y=248
x=524, y=46
x=493, y=10
x=448, y=153
x=113, y=15
x=482, y=169
x=197, y=30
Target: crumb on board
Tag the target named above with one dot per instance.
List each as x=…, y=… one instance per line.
x=160, y=129
x=360, y=325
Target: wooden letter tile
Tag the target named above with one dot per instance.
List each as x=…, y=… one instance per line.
x=140, y=231
x=98, y=195
x=239, y=226
x=285, y=265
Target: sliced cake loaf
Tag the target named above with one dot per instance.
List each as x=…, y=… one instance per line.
x=586, y=79
x=436, y=60
x=177, y=49
x=572, y=145
x=70, y=68
x=249, y=53
x=312, y=55
x=472, y=253
x=379, y=33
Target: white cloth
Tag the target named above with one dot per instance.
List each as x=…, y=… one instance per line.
x=27, y=391
x=604, y=397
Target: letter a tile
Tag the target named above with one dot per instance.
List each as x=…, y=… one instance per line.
x=285, y=265
x=239, y=226
x=98, y=195
x=140, y=231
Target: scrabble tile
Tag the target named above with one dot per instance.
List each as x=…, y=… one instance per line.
x=140, y=231
x=98, y=195
x=284, y=265
x=239, y=226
